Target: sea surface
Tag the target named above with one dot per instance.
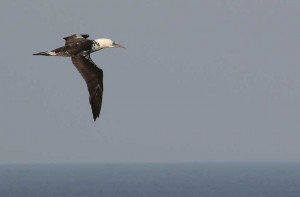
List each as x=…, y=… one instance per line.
x=151, y=180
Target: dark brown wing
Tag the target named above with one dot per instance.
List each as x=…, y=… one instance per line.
x=76, y=44
x=94, y=80
x=75, y=38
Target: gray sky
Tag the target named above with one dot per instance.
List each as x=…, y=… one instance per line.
x=200, y=81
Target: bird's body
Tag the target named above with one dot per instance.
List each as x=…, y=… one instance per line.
x=79, y=48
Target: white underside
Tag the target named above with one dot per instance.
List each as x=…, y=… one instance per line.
x=52, y=53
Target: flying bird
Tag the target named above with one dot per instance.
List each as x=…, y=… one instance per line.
x=79, y=48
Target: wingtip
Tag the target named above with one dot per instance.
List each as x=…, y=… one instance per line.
x=42, y=53
x=95, y=119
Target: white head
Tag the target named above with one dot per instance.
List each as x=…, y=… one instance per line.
x=105, y=43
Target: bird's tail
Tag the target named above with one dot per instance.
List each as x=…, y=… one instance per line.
x=46, y=53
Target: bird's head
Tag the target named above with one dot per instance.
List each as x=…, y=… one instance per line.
x=107, y=43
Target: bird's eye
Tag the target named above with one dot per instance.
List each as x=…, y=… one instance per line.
x=114, y=43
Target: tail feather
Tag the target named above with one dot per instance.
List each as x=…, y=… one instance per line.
x=46, y=53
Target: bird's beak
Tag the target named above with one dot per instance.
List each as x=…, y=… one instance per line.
x=119, y=46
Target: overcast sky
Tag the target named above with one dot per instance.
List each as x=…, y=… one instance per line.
x=200, y=81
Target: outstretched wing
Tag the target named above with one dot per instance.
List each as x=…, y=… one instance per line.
x=75, y=38
x=94, y=80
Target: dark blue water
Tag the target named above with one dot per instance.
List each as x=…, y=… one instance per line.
x=151, y=180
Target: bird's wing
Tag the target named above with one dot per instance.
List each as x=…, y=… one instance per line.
x=75, y=38
x=94, y=80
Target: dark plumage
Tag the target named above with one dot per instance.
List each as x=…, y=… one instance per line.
x=93, y=77
x=79, y=48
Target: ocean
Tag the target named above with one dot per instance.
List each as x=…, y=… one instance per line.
x=151, y=180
